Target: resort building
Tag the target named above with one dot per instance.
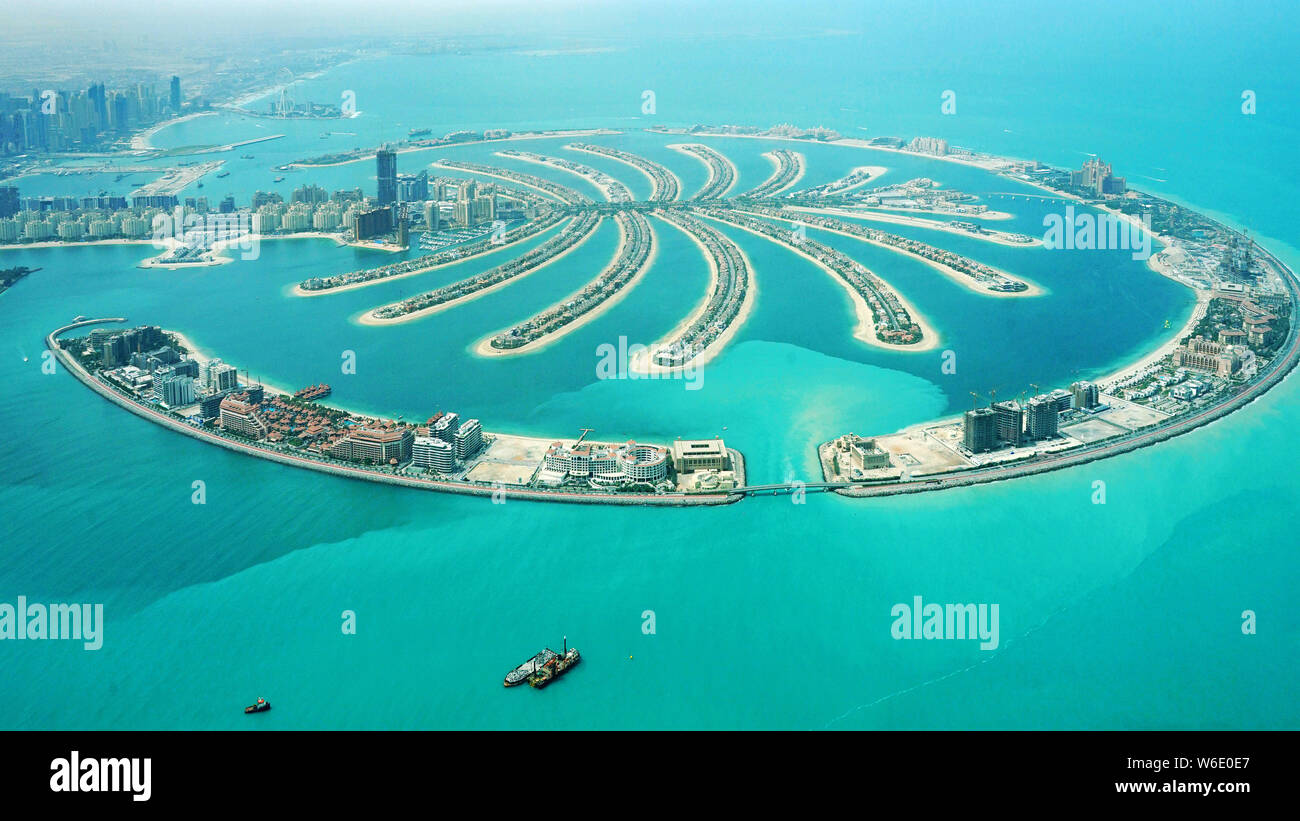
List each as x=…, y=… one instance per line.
x=444, y=426
x=699, y=454
x=855, y=454
x=601, y=464
x=375, y=446
x=433, y=454
x=243, y=418
x=468, y=439
x=643, y=463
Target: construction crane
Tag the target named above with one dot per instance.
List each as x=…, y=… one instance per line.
x=975, y=405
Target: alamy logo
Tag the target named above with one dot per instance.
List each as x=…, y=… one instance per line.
x=637, y=361
x=129, y=775
x=206, y=231
x=1102, y=232
x=946, y=621
x=77, y=622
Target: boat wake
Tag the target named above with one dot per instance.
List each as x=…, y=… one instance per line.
x=946, y=676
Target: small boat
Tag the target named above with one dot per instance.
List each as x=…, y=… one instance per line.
x=261, y=706
x=278, y=179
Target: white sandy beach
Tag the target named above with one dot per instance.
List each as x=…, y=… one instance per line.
x=735, y=172
x=951, y=273
x=999, y=237
x=368, y=317
x=549, y=135
x=297, y=290
x=484, y=346
x=866, y=328
x=654, y=187
x=800, y=160
x=641, y=363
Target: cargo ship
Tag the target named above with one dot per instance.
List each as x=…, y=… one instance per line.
x=555, y=666
x=521, y=674
x=313, y=392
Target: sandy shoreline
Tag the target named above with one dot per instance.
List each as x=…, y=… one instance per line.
x=994, y=236
x=143, y=140
x=654, y=186
x=501, y=177
x=298, y=290
x=641, y=363
x=367, y=317
x=204, y=357
x=735, y=172
x=603, y=191
x=866, y=330
x=873, y=172
x=771, y=156
x=550, y=135
x=1166, y=348
x=484, y=346
x=951, y=273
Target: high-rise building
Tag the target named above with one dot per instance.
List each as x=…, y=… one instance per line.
x=432, y=219
x=8, y=200
x=223, y=378
x=173, y=390
x=463, y=213
x=413, y=187
x=469, y=438
x=1095, y=176
x=980, y=430
x=386, y=173
x=1010, y=422
x=176, y=94
x=433, y=454
x=484, y=209
x=1041, y=420
x=366, y=224
x=445, y=427
x=1085, y=394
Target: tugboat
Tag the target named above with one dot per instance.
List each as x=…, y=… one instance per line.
x=261, y=706
x=520, y=674
x=556, y=667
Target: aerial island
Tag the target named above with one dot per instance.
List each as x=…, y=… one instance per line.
x=1239, y=341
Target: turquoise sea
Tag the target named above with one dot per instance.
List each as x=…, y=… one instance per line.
x=768, y=614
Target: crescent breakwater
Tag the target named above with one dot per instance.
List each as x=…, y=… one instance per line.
x=494, y=490
x=886, y=319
